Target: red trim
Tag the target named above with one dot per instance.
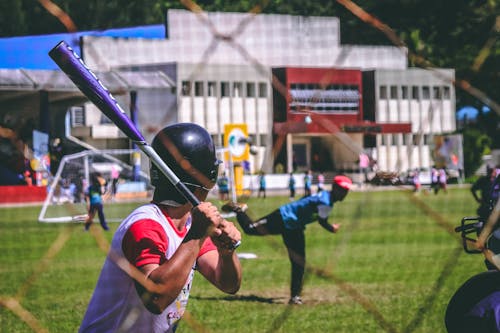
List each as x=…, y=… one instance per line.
x=180, y=233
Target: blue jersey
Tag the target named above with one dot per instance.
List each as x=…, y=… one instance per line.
x=307, y=182
x=94, y=194
x=298, y=213
x=223, y=184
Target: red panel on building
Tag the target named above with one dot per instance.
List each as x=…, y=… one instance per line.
x=326, y=95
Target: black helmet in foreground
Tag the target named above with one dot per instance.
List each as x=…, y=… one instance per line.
x=189, y=151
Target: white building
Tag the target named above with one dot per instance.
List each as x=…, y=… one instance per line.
x=224, y=65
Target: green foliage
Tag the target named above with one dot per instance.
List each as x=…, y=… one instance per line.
x=392, y=267
x=476, y=144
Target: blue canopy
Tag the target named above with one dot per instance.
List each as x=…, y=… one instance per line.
x=31, y=52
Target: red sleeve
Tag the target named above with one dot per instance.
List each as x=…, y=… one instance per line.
x=207, y=246
x=145, y=243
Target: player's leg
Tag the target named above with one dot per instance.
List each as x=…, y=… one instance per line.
x=90, y=217
x=271, y=224
x=296, y=245
x=102, y=218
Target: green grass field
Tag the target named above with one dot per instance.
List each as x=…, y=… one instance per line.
x=393, y=267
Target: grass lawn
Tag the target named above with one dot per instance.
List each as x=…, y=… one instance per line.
x=393, y=267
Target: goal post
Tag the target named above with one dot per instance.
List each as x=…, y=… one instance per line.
x=65, y=199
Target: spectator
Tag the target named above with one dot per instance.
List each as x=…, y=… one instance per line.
x=416, y=181
x=321, y=182
x=307, y=183
x=262, y=184
x=223, y=185
x=442, y=180
x=291, y=186
x=484, y=185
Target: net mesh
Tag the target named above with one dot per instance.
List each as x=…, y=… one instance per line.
x=396, y=261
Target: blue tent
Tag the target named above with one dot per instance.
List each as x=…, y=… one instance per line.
x=31, y=52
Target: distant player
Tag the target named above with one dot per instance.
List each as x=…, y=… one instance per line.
x=165, y=242
x=262, y=185
x=290, y=221
x=223, y=186
x=291, y=186
x=93, y=197
x=485, y=186
x=307, y=183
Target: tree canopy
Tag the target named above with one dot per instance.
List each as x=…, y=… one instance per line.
x=458, y=34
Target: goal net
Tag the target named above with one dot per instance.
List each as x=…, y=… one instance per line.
x=65, y=201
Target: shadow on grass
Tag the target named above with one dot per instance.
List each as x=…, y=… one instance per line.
x=241, y=298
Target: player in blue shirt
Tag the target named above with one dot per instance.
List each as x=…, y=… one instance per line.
x=290, y=221
x=93, y=197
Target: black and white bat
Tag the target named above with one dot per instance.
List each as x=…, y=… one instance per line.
x=74, y=67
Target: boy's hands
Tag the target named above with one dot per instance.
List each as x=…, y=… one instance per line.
x=208, y=222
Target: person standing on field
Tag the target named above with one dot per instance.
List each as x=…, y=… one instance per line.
x=484, y=185
x=290, y=221
x=223, y=185
x=307, y=183
x=147, y=276
x=291, y=186
x=93, y=197
x=262, y=185
x=321, y=182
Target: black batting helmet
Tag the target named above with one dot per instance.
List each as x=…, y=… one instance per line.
x=189, y=152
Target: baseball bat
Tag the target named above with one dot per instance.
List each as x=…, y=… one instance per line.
x=90, y=85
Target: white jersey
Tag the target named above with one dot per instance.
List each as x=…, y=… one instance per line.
x=115, y=305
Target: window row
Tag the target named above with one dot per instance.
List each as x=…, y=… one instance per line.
x=414, y=92
x=406, y=139
x=224, y=89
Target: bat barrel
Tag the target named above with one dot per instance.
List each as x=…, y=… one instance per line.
x=74, y=67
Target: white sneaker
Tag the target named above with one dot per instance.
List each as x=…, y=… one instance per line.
x=295, y=300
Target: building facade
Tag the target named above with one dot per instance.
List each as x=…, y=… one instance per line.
x=308, y=100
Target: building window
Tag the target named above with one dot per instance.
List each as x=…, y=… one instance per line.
x=414, y=92
x=237, y=89
x=446, y=92
x=186, y=88
x=427, y=140
x=426, y=93
x=436, y=92
x=417, y=139
x=77, y=116
x=394, y=92
x=198, y=88
x=263, y=90
x=212, y=89
x=383, y=92
x=394, y=139
x=224, y=89
x=250, y=89
x=404, y=92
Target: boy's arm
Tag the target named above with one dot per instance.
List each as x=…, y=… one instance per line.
x=333, y=228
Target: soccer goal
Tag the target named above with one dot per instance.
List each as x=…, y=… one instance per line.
x=65, y=201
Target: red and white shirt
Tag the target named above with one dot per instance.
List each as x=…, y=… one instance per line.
x=146, y=236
